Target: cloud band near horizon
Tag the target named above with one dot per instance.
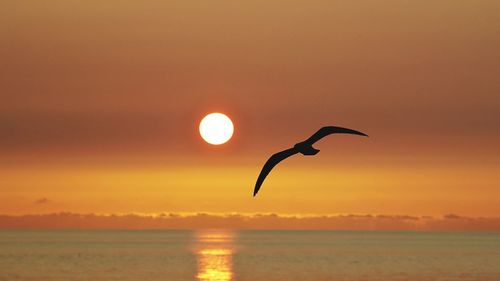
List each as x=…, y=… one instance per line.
x=449, y=222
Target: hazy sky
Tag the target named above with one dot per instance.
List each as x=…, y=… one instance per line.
x=100, y=104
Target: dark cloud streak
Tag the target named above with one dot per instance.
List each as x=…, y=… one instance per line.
x=41, y=201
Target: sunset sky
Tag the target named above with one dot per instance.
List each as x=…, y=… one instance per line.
x=100, y=103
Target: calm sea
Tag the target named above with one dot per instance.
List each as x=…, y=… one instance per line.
x=248, y=255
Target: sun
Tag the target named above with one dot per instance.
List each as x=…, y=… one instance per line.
x=216, y=128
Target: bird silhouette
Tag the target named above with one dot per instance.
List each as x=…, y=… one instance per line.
x=305, y=147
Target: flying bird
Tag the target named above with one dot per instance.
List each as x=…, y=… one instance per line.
x=305, y=147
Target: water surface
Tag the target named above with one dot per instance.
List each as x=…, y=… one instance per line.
x=248, y=255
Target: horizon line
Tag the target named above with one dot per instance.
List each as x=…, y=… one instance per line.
x=68, y=220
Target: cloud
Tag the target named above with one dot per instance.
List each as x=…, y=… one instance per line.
x=41, y=201
x=453, y=216
x=248, y=221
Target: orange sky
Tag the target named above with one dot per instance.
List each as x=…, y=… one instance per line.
x=100, y=103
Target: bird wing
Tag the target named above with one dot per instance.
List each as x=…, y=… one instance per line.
x=328, y=130
x=271, y=162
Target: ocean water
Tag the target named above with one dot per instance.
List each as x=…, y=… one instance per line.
x=248, y=255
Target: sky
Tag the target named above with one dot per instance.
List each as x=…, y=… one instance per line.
x=101, y=101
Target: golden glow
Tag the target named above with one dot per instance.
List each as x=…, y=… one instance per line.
x=428, y=189
x=214, y=256
x=216, y=128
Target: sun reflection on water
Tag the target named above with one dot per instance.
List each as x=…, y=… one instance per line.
x=214, y=250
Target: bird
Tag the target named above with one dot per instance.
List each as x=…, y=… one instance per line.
x=304, y=147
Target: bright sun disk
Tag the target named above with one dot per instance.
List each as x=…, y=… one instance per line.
x=216, y=128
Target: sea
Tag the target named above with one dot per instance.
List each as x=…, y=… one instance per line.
x=269, y=255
